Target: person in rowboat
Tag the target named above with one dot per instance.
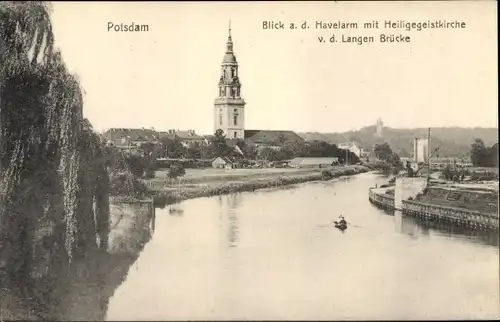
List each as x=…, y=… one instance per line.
x=342, y=221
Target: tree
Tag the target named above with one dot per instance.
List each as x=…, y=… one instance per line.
x=147, y=148
x=194, y=151
x=318, y=148
x=352, y=157
x=493, y=155
x=482, y=156
x=136, y=165
x=267, y=154
x=173, y=147
x=299, y=149
x=175, y=171
x=285, y=153
x=158, y=152
x=249, y=150
x=221, y=148
x=148, y=162
x=478, y=152
x=207, y=151
x=394, y=160
x=383, y=151
x=54, y=189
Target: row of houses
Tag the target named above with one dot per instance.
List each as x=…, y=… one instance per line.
x=131, y=139
x=231, y=163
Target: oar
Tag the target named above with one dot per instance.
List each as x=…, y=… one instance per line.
x=329, y=224
x=353, y=225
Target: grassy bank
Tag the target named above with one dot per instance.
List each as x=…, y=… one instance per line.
x=212, y=182
x=483, y=201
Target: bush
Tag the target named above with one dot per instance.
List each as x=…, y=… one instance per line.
x=326, y=175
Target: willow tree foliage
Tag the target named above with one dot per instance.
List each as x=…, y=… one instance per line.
x=53, y=179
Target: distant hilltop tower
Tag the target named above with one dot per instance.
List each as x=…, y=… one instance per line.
x=380, y=127
x=229, y=105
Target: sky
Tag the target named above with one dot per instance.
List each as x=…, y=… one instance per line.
x=167, y=78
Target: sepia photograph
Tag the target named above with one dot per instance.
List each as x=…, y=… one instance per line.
x=218, y=161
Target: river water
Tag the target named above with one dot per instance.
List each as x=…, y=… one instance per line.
x=273, y=255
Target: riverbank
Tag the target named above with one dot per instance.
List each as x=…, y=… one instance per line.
x=212, y=182
x=472, y=207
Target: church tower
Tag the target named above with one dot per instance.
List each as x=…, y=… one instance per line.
x=380, y=127
x=229, y=113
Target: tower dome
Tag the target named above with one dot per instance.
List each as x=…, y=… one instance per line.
x=229, y=58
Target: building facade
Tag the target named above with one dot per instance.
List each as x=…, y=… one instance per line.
x=351, y=146
x=130, y=139
x=229, y=107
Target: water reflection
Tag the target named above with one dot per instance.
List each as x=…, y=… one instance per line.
x=86, y=296
x=152, y=223
x=416, y=228
x=175, y=210
x=228, y=216
x=459, y=233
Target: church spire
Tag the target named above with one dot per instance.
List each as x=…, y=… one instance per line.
x=229, y=44
x=229, y=105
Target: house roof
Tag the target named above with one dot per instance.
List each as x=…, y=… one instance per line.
x=131, y=134
x=269, y=137
x=347, y=145
x=311, y=161
x=225, y=159
x=149, y=134
x=182, y=135
x=188, y=135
